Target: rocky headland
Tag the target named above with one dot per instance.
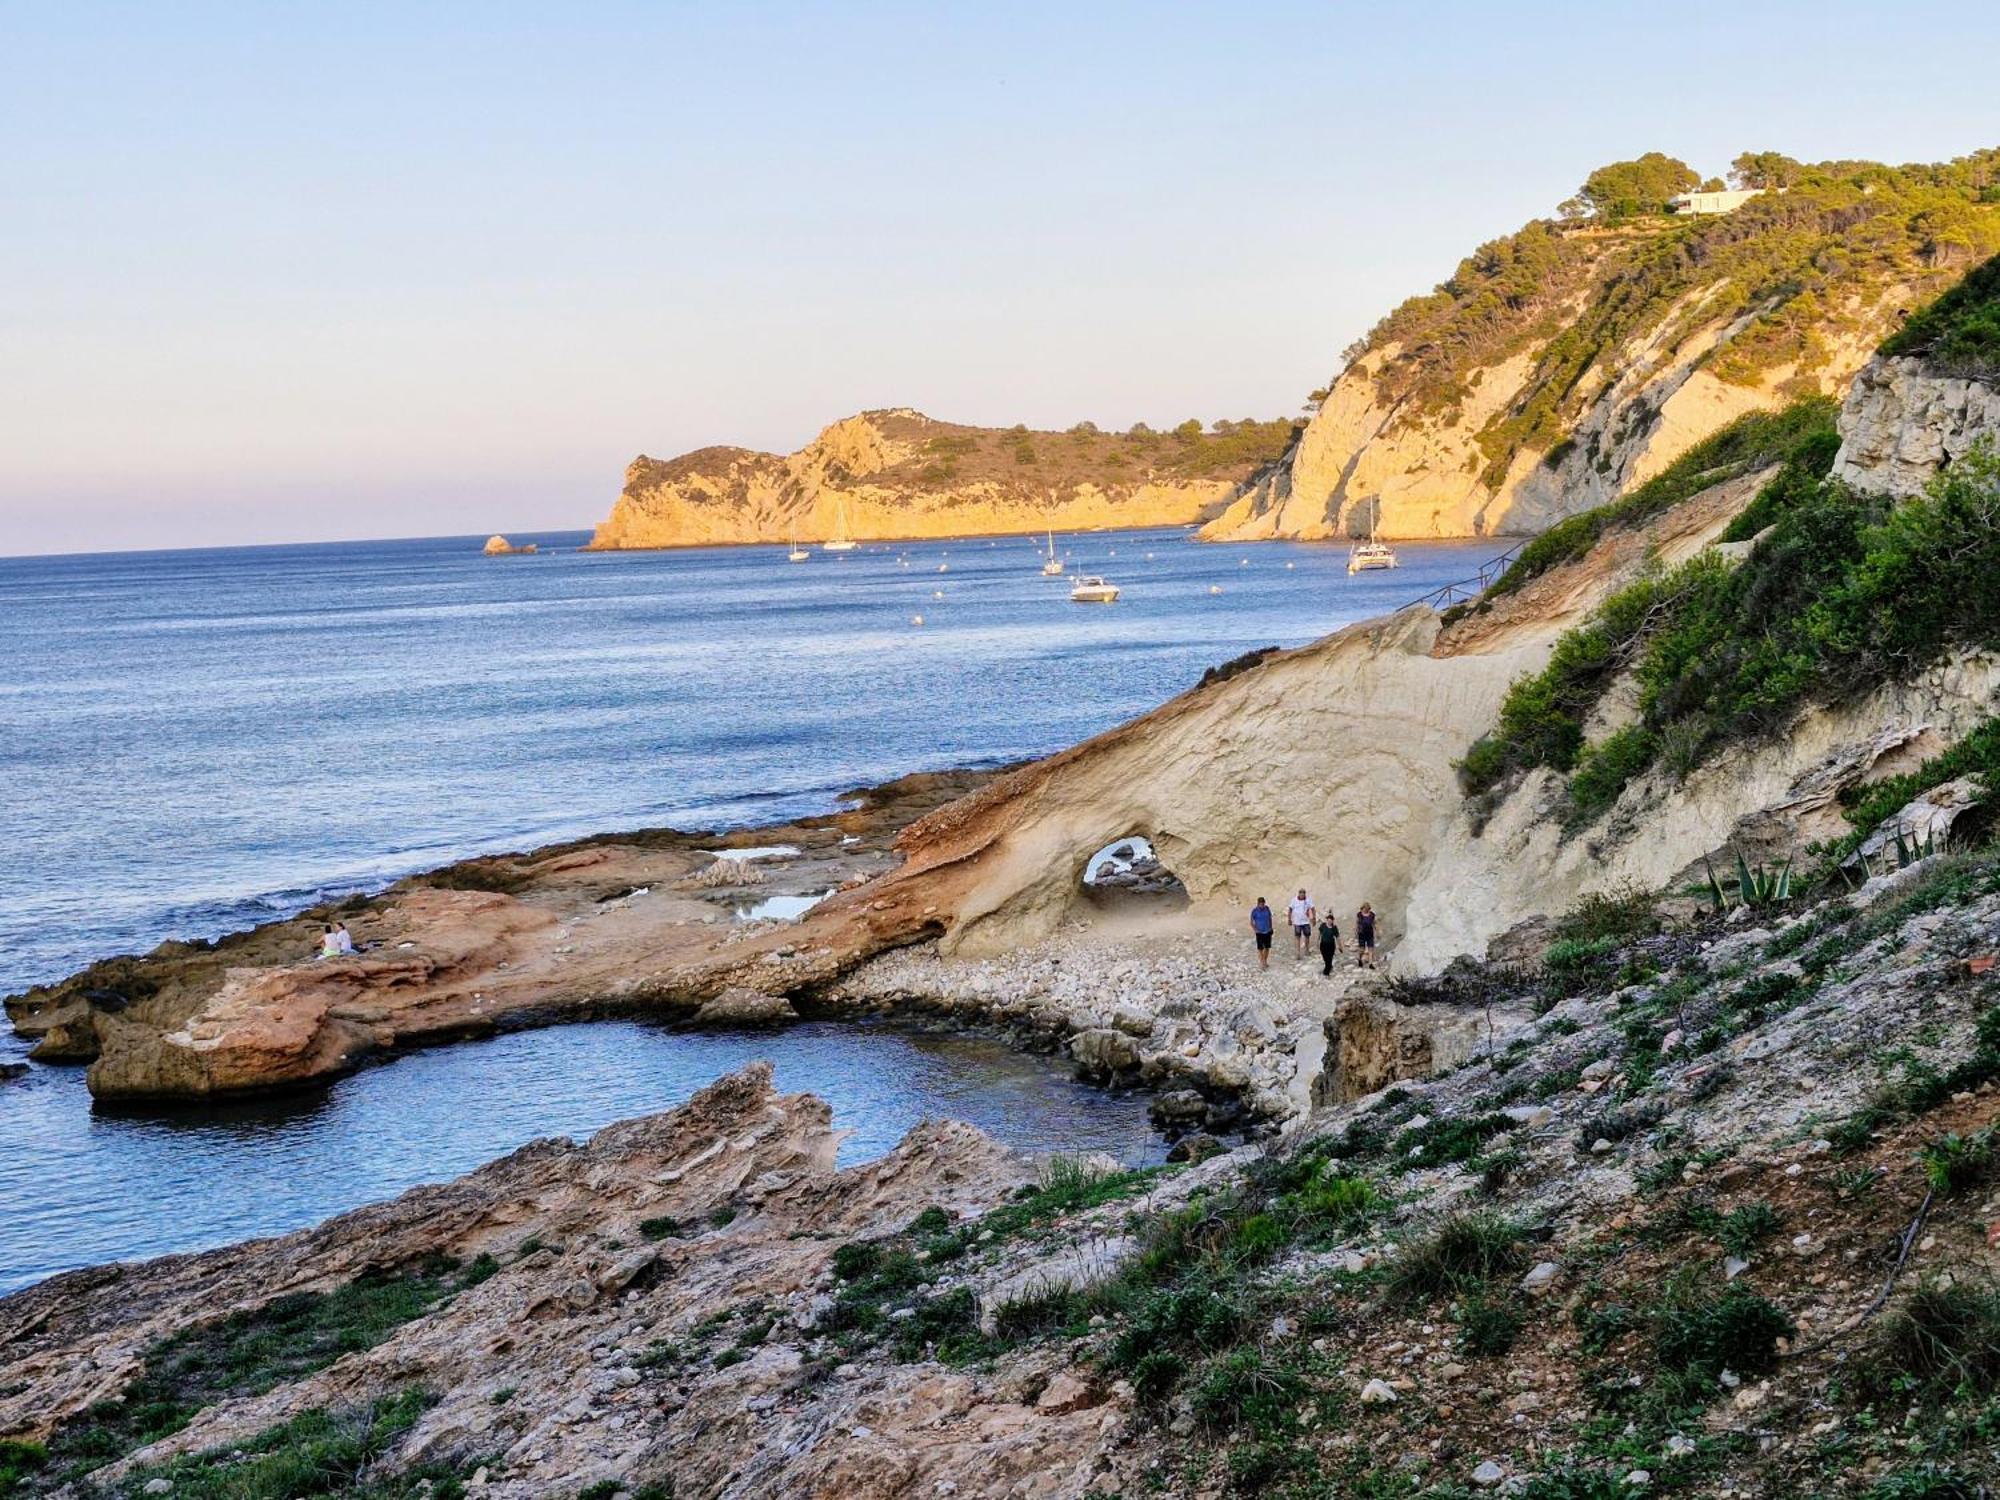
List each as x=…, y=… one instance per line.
x=900, y=474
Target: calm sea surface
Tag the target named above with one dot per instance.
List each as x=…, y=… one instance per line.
x=193, y=742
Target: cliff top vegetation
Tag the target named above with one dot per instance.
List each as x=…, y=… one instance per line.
x=1813, y=258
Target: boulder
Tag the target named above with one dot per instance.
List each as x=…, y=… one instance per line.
x=1102, y=1051
x=739, y=1006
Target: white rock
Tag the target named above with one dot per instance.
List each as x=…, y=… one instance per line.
x=158, y=1486
x=1539, y=1278
x=1639, y=1478
x=1377, y=1393
x=1679, y=1447
x=1488, y=1474
x=1734, y=1267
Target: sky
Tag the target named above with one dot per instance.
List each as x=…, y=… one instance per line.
x=283, y=272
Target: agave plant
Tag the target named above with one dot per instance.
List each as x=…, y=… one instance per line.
x=1756, y=885
x=1909, y=849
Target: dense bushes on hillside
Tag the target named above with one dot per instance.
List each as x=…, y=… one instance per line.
x=1959, y=334
x=1843, y=593
x=1804, y=264
x=1801, y=436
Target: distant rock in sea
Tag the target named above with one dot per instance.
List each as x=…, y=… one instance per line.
x=499, y=546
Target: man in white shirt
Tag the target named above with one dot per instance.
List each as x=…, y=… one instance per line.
x=1302, y=914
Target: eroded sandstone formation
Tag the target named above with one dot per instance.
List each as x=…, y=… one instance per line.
x=901, y=474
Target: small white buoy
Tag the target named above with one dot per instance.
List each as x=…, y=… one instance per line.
x=916, y=619
x=937, y=593
x=1244, y=564
x=944, y=567
x=1215, y=588
x=1289, y=566
x=1149, y=557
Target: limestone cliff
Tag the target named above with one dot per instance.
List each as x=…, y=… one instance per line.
x=1564, y=364
x=1902, y=423
x=900, y=474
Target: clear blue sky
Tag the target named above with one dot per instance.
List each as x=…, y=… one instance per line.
x=278, y=271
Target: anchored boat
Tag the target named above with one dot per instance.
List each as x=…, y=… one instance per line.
x=1091, y=589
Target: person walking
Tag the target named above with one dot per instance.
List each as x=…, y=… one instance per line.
x=1260, y=928
x=1302, y=915
x=1329, y=941
x=1364, y=937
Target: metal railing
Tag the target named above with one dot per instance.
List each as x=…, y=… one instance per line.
x=1465, y=590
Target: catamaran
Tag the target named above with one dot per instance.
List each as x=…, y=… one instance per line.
x=1366, y=556
x=840, y=541
x=1053, y=567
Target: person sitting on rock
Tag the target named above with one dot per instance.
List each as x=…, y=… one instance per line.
x=1364, y=937
x=329, y=943
x=343, y=940
x=1260, y=928
x=1329, y=941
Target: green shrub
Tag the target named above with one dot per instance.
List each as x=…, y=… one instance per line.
x=1486, y=1326
x=663, y=1227
x=1624, y=912
x=1846, y=592
x=1603, y=771
x=1450, y=1139
x=1959, y=334
x=1461, y=1256
x=932, y=1220
x=1750, y=442
x=1743, y=1229
x=1977, y=753
x=1926, y=1482
x=1706, y=1331
x=1943, y=1338
x=1245, y=1389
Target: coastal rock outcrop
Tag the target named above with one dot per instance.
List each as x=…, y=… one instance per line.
x=1903, y=422
x=900, y=474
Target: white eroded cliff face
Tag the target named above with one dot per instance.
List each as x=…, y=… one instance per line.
x=1901, y=424
x=1414, y=471
x=1332, y=766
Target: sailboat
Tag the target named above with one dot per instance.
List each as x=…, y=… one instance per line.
x=1367, y=556
x=798, y=553
x=840, y=541
x=1053, y=567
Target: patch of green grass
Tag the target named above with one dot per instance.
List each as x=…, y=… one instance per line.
x=1941, y=1338
x=248, y=1353
x=1703, y=1331
x=315, y=1453
x=1460, y=1256
x=1451, y=1139
x=1487, y=1326
x=1956, y=1163
x=663, y=1227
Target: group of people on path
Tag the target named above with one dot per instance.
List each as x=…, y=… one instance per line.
x=1306, y=918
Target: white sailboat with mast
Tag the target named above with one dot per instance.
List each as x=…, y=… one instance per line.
x=840, y=541
x=1367, y=556
x=1053, y=567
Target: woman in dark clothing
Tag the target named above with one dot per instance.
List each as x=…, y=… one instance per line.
x=1329, y=942
x=1364, y=937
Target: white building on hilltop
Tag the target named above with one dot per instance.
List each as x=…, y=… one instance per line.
x=1725, y=202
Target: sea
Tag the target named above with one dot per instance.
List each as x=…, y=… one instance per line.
x=196, y=741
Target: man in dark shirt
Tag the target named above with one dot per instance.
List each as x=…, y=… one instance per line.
x=1260, y=928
